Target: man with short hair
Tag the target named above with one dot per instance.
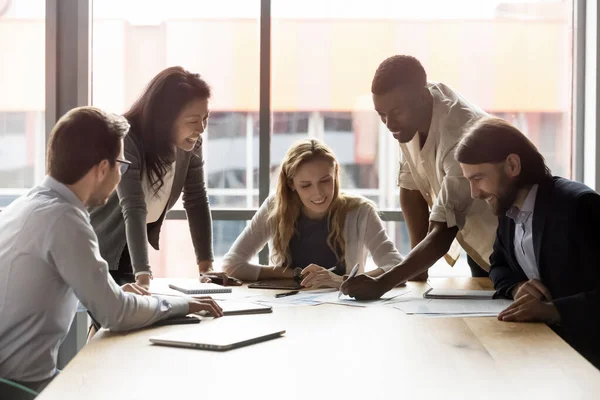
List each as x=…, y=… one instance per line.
x=49, y=257
x=546, y=253
x=428, y=119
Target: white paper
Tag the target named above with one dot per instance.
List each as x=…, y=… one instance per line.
x=456, y=315
x=303, y=298
x=391, y=296
x=453, y=307
x=327, y=296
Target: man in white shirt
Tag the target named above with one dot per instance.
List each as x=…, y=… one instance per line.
x=428, y=119
x=49, y=256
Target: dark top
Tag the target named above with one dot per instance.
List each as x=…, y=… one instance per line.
x=565, y=220
x=309, y=245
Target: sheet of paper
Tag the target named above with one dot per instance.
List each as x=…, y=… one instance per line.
x=304, y=298
x=452, y=307
x=456, y=315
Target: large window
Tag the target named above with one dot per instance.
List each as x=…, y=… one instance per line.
x=219, y=40
x=514, y=59
x=22, y=96
x=325, y=55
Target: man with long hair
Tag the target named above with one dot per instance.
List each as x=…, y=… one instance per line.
x=545, y=255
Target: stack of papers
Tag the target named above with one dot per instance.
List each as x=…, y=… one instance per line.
x=453, y=308
x=435, y=293
x=326, y=296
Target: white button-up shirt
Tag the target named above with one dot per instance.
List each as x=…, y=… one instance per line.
x=434, y=171
x=523, y=218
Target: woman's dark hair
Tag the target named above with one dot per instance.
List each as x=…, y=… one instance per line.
x=153, y=116
x=492, y=140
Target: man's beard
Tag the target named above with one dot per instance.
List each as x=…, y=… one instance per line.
x=508, y=197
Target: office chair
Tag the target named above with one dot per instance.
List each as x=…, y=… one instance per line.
x=14, y=391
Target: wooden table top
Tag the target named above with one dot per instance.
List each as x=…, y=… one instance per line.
x=338, y=352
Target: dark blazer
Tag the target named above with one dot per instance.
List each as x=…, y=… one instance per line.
x=122, y=220
x=566, y=220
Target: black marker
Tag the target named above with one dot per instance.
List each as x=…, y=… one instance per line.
x=278, y=295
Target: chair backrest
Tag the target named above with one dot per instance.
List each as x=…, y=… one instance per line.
x=15, y=391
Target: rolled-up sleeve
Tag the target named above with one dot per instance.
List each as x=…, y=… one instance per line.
x=454, y=199
x=405, y=178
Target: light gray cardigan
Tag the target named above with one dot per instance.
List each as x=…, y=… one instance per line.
x=122, y=220
x=363, y=231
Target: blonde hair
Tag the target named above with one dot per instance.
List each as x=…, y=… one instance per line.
x=287, y=206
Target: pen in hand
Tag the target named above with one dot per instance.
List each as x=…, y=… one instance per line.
x=352, y=275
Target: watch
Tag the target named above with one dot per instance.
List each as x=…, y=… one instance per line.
x=298, y=274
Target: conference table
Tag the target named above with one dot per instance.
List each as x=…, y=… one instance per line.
x=337, y=352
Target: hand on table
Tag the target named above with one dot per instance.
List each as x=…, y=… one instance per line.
x=314, y=277
x=530, y=309
x=363, y=287
x=205, y=305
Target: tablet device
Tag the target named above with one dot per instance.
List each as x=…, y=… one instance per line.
x=217, y=339
x=280, y=284
x=236, y=307
x=183, y=319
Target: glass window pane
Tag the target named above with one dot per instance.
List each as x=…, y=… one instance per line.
x=324, y=58
x=22, y=96
x=218, y=40
x=176, y=257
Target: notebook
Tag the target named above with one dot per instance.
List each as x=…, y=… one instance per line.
x=218, y=339
x=236, y=307
x=435, y=293
x=199, y=288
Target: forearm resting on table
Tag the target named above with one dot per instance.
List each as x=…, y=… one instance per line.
x=423, y=256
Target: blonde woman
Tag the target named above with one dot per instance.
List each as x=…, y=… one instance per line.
x=316, y=233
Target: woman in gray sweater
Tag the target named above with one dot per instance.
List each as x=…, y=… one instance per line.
x=164, y=147
x=316, y=232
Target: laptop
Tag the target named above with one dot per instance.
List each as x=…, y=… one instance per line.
x=217, y=339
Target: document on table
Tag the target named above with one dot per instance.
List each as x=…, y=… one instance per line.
x=326, y=296
x=304, y=298
x=453, y=308
x=389, y=297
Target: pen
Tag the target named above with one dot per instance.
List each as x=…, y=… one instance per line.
x=352, y=275
x=278, y=295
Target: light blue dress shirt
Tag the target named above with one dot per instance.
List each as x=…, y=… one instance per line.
x=49, y=258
